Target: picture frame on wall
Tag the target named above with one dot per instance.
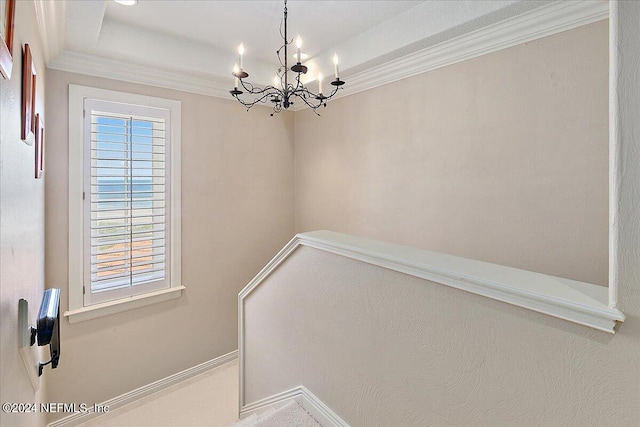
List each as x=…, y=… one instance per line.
x=7, y=13
x=28, y=96
x=39, y=145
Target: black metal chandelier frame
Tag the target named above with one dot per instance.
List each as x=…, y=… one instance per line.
x=282, y=97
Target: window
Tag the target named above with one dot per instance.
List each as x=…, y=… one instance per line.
x=124, y=201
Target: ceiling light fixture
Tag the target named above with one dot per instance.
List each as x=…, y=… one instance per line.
x=283, y=92
x=127, y=2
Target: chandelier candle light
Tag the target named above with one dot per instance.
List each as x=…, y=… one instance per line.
x=282, y=93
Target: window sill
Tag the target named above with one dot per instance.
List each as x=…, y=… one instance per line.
x=125, y=304
x=577, y=302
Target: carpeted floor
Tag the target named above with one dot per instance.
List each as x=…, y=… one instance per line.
x=291, y=415
x=209, y=399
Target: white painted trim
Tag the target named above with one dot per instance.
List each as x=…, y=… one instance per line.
x=571, y=300
x=77, y=311
x=309, y=401
x=541, y=22
x=544, y=21
x=185, y=81
x=125, y=304
x=154, y=387
x=578, y=302
x=615, y=155
x=51, y=18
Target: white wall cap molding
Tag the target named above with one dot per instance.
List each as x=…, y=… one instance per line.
x=546, y=20
x=318, y=409
x=577, y=302
x=141, y=392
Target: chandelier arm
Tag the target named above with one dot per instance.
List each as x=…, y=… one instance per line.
x=248, y=87
x=333, y=92
x=313, y=107
x=299, y=83
x=251, y=89
x=262, y=99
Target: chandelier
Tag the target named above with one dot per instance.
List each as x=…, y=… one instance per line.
x=284, y=90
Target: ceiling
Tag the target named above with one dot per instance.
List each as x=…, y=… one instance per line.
x=224, y=24
x=198, y=39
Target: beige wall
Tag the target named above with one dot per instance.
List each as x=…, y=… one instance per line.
x=502, y=158
x=237, y=211
x=382, y=348
x=21, y=225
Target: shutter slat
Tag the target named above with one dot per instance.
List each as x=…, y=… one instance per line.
x=150, y=222
x=158, y=268
x=123, y=209
x=104, y=259
x=142, y=135
x=130, y=197
x=160, y=227
x=96, y=243
x=107, y=266
x=123, y=216
x=119, y=250
x=133, y=159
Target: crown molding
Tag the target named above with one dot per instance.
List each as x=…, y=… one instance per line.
x=544, y=21
x=97, y=66
x=51, y=18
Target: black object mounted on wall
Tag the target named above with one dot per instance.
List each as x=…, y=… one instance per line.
x=47, y=330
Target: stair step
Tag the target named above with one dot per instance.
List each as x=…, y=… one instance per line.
x=290, y=415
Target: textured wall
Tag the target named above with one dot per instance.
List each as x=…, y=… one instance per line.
x=502, y=158
x=22, y=218
x=237, y=210
x=626, y=269
x=383, y=348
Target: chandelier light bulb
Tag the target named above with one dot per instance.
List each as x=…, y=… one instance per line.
x=320, y=83
x=276, y=81
x=299, y=45
x=335, y=65
x=236, y=70
x=240, y=54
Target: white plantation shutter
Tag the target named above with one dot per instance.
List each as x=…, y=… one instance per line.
x=126, y=200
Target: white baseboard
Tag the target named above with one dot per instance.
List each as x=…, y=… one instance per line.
x=139, y=393
x=309, y=401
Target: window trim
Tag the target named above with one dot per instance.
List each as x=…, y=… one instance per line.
x=77, y=311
